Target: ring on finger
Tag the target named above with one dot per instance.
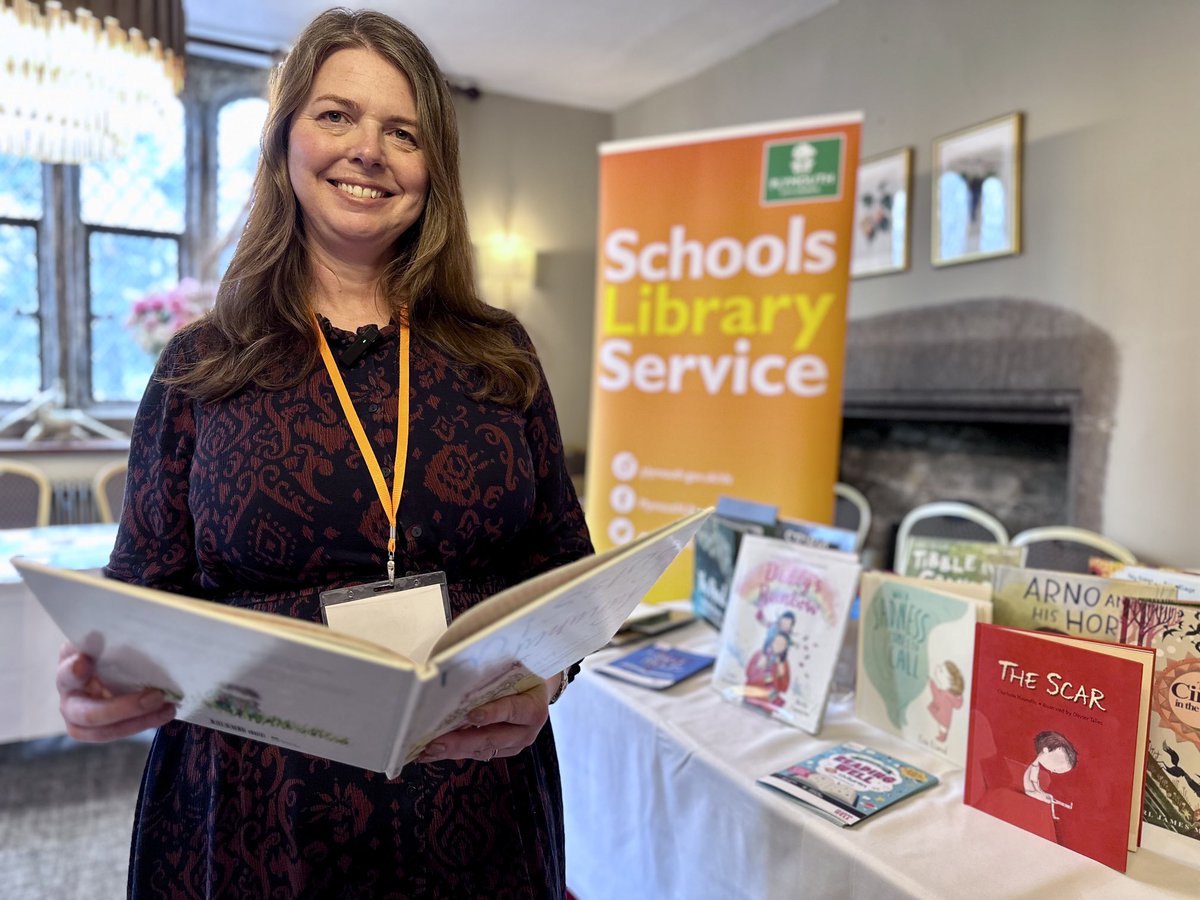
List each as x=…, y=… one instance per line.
x=493, y=754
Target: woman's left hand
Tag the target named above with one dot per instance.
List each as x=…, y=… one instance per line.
x=503, y=727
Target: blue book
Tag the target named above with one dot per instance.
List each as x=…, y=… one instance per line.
x=656, y=666
x=849, y=782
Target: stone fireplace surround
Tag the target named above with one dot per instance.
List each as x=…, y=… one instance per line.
x=1003, y=403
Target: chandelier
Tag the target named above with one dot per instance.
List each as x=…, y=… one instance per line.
x=78, y=85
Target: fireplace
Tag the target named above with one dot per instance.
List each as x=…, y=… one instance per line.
x=1002, y=403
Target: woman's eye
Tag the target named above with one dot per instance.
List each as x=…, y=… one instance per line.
x=401, y=135
x=334, y=117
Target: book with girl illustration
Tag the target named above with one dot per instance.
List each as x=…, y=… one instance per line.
x=783, y=628
x=916, y=640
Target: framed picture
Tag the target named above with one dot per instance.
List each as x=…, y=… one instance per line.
x=977, y=192
x=882, y=214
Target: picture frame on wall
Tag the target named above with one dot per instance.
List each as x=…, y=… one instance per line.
x=976, y=175
x=882, y=215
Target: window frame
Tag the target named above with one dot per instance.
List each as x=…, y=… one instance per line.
x=62, y=238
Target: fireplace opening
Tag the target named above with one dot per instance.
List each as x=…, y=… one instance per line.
x=1016, y=470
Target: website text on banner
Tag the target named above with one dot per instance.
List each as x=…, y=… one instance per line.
x=720, y=325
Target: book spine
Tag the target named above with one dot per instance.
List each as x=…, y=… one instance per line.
x=406, y=704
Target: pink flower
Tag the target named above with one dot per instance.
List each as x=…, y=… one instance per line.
x=156, y=317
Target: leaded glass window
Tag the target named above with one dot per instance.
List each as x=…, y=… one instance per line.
x=21, y=209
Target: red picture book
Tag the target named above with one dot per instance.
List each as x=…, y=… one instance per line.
x=1057, y=738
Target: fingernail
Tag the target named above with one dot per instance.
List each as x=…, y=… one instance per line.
x=434, y=750
x=151, y=699
x=477, y=717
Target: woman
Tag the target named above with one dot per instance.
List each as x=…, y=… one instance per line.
x=247, y=486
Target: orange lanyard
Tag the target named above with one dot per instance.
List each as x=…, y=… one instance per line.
x=391, y=503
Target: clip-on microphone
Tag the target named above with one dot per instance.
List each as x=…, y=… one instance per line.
x=364, y=342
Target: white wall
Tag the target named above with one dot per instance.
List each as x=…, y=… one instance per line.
x=533, y=167
x=1109, y=89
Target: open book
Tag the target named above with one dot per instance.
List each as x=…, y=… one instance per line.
x=301, y=685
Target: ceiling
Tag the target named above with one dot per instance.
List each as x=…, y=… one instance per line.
x=595, y=54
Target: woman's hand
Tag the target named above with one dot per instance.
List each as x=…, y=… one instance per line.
x=503, y=727
x=93, y=712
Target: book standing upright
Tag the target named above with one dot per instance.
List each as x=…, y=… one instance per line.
x=1172, y=798
x=1057, y=742
x=916, y=641
x=783, y=628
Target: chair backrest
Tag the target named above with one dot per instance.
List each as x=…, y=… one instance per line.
x=108, y=487
x=948, y=519
x=852, y=511
x=1066, y=548
x=24, y=495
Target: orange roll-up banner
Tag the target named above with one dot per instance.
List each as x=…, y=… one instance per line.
x=720, y=325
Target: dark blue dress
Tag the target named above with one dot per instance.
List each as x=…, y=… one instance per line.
x=263, y=501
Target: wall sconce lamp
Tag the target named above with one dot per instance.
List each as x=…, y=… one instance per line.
x=507, y=267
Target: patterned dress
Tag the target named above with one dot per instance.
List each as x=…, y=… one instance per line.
x=263, y=501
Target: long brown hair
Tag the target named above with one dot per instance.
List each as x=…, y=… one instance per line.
x=260, y=330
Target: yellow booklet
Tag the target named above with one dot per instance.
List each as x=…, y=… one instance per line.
x=301, y=685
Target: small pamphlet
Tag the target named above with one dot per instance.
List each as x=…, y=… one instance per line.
x=650, y=620
x=657, y=666
x=849, y=782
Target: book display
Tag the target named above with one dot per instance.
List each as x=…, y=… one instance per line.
x=787, y=615
x=1065, y=602
x=949, y=559
x=1057, y=742
x=916, y=640
x=849, y=782
x=1172, y=798
x=657, y=666
x=302, y=685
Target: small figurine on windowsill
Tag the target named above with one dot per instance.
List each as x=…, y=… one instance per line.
x=49, y=419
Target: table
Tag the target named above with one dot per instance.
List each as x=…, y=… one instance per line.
x=29, y=639
x=660, y=802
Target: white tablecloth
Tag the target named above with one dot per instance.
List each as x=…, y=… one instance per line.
x=660, y=802
x=29, y=639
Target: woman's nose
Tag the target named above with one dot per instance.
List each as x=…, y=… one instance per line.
x=367, y=146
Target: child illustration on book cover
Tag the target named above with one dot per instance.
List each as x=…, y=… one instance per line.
x=946, y=686
x=1055, y=754
x=767, y=675
x=783, y=629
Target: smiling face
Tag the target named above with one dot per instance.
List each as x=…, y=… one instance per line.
x=355, y=160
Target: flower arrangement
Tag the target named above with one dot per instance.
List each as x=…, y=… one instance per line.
x=156, y=317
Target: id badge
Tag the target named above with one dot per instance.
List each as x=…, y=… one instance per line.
x=405, y=617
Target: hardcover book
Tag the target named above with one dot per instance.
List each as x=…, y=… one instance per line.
x=1186, y=583
x=1172, y=796
x=657, y=666
x=302, y=685
x=1057, y=742
x=783, y=629
x=849, y=782
x=1065, y=602
x=916, y=640
x=716, y=552
x=814, y=534
x=949, y=559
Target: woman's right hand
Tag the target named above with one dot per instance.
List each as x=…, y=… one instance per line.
x=93, y=712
